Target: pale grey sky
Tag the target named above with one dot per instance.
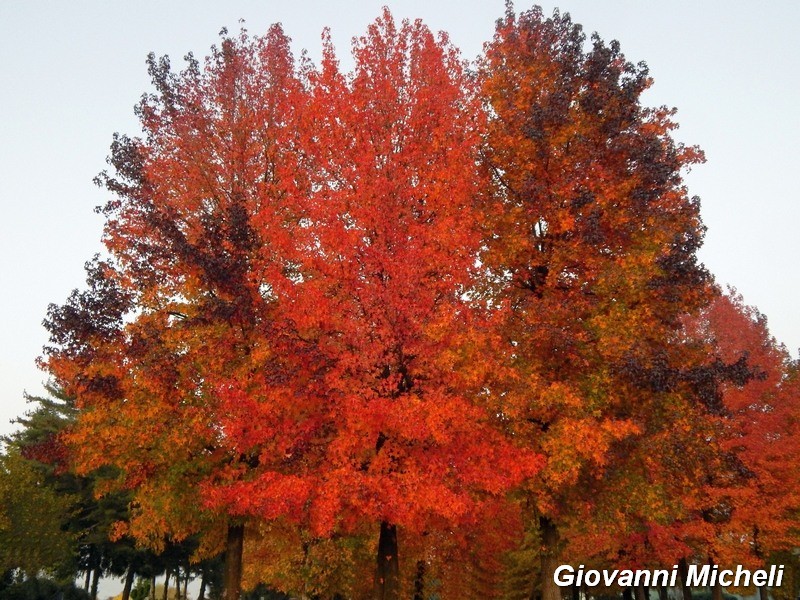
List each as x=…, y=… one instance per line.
x=71, y=72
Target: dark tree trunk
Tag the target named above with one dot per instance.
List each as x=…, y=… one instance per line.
x=153, y=588
x=683, y=571
x=641, y=592
x=419, y=581
x=202, y=594
x=95, y=582
x=763, y=593
x=126, y=589
x=662, y=593
x=186, y=584
x=548, y=535
x=387, y=574
x=576, y=592
x=88, y=580
x=233, y=562
x=627, y=594
x=166, y=585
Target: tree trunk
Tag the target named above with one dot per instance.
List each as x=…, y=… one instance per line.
x=153, y=588
x=126, y=590
x=95, y=582
x=186, y=585
x=233, y=562
x=166, y=584
x=683, y=571
x=88, y=580
x=662, y=593
x=627, y=594
x=419, y=581
x=763, y=594
x=202, y=594
x=387, y=574
x=576, y=592
x=548, y=534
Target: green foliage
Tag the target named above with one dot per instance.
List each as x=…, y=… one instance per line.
x=36, y=588
x=32, y=518
x=521, y=567
x=141, y=590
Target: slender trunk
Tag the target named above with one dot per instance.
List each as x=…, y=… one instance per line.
x=166, y=584
x=88, y=580
x=627, y=594
x=153, y=588
x=387, y=574
x=716, y=589
x=202, y=594
x=95, y=582
x=233, y=562
x=639, y=591
x=763, y=594
x=662, y=593
x=576, y=592
x=548, y=535
x=126, y=589
x=186, y=585
x=419, y=581
x=683, y=571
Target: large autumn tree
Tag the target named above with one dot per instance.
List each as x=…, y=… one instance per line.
x=387, y=253
x=592, y=253
x=284, y=328
x=182, y=316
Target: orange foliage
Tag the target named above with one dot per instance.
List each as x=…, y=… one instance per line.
x=394, y=296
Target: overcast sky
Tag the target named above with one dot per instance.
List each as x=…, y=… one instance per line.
x=70, y=73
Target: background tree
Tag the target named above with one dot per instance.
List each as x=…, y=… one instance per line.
x=33, y=538
x=756, y=437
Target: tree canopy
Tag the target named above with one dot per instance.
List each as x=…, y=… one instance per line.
x=418, y=309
